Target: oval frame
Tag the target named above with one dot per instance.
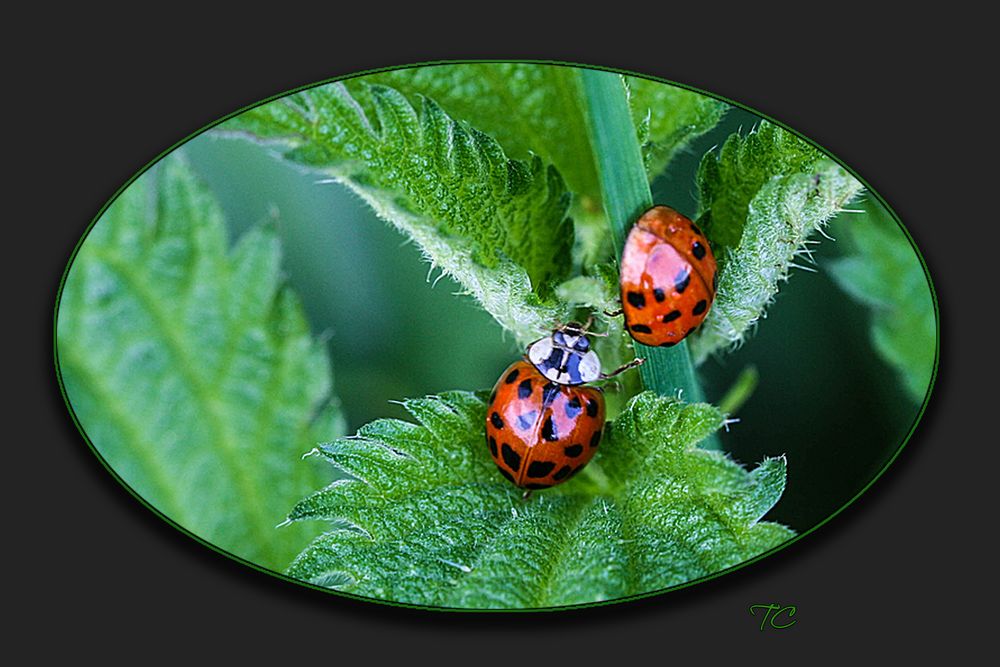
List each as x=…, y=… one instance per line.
x=625, y=599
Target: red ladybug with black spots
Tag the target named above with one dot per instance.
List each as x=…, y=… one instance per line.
x=542, y=424
x=668, y=277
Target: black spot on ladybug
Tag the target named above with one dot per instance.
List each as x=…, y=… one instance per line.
x=512, y=376
x=641, y=328
x=524, y=389
x=591, y=408
x=696, y=230
x=496, y=421
x=659, y=294
x=493, y=446
x=671, y=316
x=573, y=450
x=506, y=474
x=636, y=299
x=596, y=438
x=526, y=420
x=699, y=307
x=698, y=250
x=682, y=280
x=536, y=485
x=669, y=343
x=549, y=393
x=510, y=457
x=573, y=407
x=540, y=468
x=565, y=470
x=549, y=430
x=493, y=396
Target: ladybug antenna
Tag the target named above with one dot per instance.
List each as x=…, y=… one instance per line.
x=574, y=327
x=632, y=364
x=583, y=329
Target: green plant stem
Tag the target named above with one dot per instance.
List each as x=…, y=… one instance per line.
x=626, y=194
x=625, y=189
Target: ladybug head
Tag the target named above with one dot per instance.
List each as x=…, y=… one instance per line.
x=565, y=357
x=572, y=341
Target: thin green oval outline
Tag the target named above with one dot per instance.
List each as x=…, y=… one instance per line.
x=393, y=603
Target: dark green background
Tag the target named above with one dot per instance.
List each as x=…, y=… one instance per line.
x=824, y=399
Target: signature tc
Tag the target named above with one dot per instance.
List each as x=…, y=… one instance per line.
x=771, y=613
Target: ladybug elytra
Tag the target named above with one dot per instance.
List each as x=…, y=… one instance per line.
x=668, y=277
x=542, y=424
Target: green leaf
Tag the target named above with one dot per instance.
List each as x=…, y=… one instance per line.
x=191, y=369
x=538, y=109
x=671, y=117
x=497, y=225
x=530, y=109
x=425, y=518
x=762, y=197
x=882, y=271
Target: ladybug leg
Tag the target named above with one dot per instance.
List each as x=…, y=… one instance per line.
x=622, y=369
x=615, y=313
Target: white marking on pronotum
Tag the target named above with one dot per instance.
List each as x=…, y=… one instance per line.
x=588, y=365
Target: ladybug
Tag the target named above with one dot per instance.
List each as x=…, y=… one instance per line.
x=542, y=424
x=668, y=277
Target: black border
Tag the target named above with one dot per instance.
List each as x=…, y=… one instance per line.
x=866, y=579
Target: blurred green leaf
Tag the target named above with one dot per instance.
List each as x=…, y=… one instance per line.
x=192, y=370
x=883, y=271
x=740, y=391
x=762, y=196
x=497, y=225
x=427, y=519
x=669, y=118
